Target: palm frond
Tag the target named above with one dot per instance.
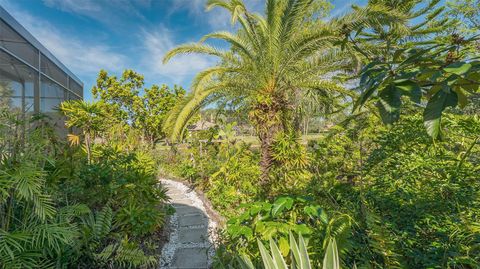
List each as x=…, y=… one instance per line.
x=178, y=117
x=194, y=48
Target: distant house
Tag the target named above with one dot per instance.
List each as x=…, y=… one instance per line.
x=201, y=125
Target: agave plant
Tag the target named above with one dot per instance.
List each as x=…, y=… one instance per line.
x=299, y=257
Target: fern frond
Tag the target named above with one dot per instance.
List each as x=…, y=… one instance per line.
x=125, y=255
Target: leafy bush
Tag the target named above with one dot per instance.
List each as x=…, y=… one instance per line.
x=429, y=194
x=290, y=168
x=232, y=184
x=125, y=180
x=95, y=250
x=415, y=203
x=59, y=210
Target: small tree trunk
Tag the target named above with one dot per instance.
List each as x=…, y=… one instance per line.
x=151, y=140
x=87, y=147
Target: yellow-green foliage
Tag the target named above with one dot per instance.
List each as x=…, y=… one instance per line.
x=232, y=184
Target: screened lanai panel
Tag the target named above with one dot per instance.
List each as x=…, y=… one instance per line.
x=17, y=84
x=52, y=70
x=51, y=95
x=13, y=42
x=76, y=88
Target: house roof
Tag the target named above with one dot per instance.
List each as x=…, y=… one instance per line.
x=201, y=125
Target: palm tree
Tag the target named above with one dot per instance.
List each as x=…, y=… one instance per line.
x=271, y=60
x=84, y=115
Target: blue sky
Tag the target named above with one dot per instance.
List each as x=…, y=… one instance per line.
x=89, y=35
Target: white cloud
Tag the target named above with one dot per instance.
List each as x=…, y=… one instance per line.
x=180, y=69
x=81, y=7
x=110, y=12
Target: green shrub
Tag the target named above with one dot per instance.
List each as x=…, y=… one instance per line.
x=235, y=181
x=290, y=168
x=415, y=203
x=58, y=210
x=127, y=181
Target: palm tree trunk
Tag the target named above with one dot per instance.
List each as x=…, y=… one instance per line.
x=268, y=123
x=267, y=138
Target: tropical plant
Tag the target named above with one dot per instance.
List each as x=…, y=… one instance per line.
x=33, y=233
x=442, y=74
x=88, y=116
x=272, y=58
x=95, y=250
x=232, y=183
x=299, y=256
x=264, y=220
x=394, y=183
x=43, y=222
x=394, y=40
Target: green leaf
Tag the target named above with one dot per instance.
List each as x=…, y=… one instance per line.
x=303, y=253
x=281, y=204
x=300, y=254
x=277, y=256
x=314, y=211
x=369, y=88
x=245, y=262
x=389, y=104
x=411, y=89
x=435, y=106
x=295, y=250
x=462, y=97
x=331, y=259
x=266, y=258
x=459, y=68
x=302, y=229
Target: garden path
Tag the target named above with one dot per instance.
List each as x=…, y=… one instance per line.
x=192, y=234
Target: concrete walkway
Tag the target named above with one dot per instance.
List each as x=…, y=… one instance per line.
x=191, y=236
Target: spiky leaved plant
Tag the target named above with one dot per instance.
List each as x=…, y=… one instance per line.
x=299, y=257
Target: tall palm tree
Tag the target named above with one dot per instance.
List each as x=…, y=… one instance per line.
x=271, y=59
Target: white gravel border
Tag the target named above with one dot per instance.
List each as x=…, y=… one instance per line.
x=172, y=245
